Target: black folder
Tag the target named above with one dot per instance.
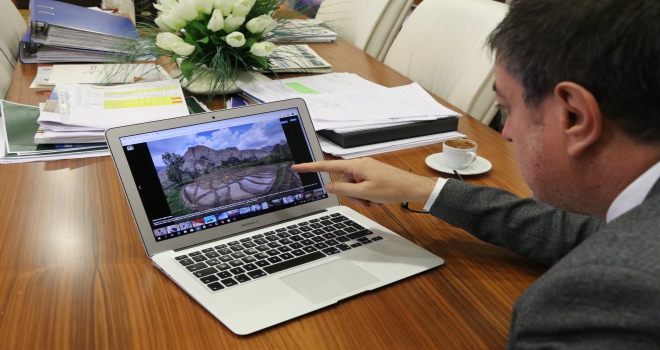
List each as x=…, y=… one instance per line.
x=390, y=133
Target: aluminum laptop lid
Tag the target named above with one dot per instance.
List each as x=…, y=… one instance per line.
x=203, y=177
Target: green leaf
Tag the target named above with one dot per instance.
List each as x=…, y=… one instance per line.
x=190, y=40
x=193, y=32
x=204, y=41
x=249, y=42
x=262, y=60
x=200, y=27
x=187, y=68
x=216, y=40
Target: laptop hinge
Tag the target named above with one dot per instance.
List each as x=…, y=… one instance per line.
x=252, y=230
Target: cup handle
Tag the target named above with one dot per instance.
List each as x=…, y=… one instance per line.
x=473, y=157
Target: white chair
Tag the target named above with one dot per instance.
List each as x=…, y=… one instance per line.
x=442, y=47
x=371, y=25
x=12, y=29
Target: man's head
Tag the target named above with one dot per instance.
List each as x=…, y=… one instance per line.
x=609, y=47
x=580, y=81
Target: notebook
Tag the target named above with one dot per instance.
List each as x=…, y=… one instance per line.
x=222, y=214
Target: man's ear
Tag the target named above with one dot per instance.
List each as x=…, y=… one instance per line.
x=581, y=118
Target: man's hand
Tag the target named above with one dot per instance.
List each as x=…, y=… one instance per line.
x=368, y=182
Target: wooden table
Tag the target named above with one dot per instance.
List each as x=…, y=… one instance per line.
x=74, y=273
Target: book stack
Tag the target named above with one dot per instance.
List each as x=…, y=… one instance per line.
x=62, y=32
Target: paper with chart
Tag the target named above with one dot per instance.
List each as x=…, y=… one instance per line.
x=109, y=106
x=277, y=90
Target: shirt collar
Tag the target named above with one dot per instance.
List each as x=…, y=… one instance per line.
x=634, y=194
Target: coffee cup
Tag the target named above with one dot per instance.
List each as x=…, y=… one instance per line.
x=459, y=153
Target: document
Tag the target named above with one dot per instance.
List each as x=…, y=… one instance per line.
x=102, y=107
x=302, y=30
x=370, y=105
x=98, y=74
x=297, y=59
x=277, y=90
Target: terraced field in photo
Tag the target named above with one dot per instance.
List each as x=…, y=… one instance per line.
x=226, y=186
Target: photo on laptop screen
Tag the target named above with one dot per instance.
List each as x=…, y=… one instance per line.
x=201, y=176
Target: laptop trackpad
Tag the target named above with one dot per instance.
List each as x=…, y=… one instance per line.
x=329, y=280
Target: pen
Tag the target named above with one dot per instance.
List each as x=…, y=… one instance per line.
x=459, y=175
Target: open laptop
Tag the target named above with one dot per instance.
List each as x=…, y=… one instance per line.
x=220, y=212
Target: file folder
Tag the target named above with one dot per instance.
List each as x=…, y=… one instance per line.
x=57, y=23
x=29, y=52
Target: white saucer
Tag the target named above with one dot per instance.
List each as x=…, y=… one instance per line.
x=437, y=162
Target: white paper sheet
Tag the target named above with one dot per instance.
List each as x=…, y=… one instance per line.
x=376, y=148
x=399, y=102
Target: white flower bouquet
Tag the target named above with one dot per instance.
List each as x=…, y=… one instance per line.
x=214, y=40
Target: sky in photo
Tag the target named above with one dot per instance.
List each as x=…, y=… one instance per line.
x=250, y=136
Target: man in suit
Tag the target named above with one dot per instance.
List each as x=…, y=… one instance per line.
x=580, y=83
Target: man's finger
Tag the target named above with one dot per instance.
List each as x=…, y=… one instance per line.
x=346, y=189
x=333, y=166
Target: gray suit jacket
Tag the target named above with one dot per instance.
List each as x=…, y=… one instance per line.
x=603, y=289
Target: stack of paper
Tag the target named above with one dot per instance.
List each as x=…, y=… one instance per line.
x=19, y=124
x=297, y=59
x=346, y=103
x=368, y=150
x=78, y=113
x=302, y=30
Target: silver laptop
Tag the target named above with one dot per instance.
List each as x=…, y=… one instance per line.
x=221, y=213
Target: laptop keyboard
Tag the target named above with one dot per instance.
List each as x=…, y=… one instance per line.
x=240, y=261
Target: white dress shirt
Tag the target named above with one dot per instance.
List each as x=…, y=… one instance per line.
x=631, y=197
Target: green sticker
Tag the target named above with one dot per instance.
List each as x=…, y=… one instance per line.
x=300, y=88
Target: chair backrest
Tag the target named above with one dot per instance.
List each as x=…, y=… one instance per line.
x=442, y=46
x=371, y=25
x=12, y=29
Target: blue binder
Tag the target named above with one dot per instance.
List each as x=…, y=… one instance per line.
x=45, y=14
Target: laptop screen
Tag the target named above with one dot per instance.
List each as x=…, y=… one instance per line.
x=206, y=175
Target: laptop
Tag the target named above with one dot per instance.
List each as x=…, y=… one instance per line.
x=222, y=214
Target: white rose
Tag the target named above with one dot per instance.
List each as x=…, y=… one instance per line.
x=204, y=6
x=159, y=22
x=166, y=40
x=232, y=23
x=216, y=22
x=262, y=49
x=260, y=24
x=183, y=49
x=173, y=20
x=225, y=6
x=186, y=10
x=236, y=39
x=242, y=8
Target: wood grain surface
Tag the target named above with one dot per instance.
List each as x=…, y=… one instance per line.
x=75, y=275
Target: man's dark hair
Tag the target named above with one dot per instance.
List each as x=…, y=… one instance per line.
x=610, y=47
